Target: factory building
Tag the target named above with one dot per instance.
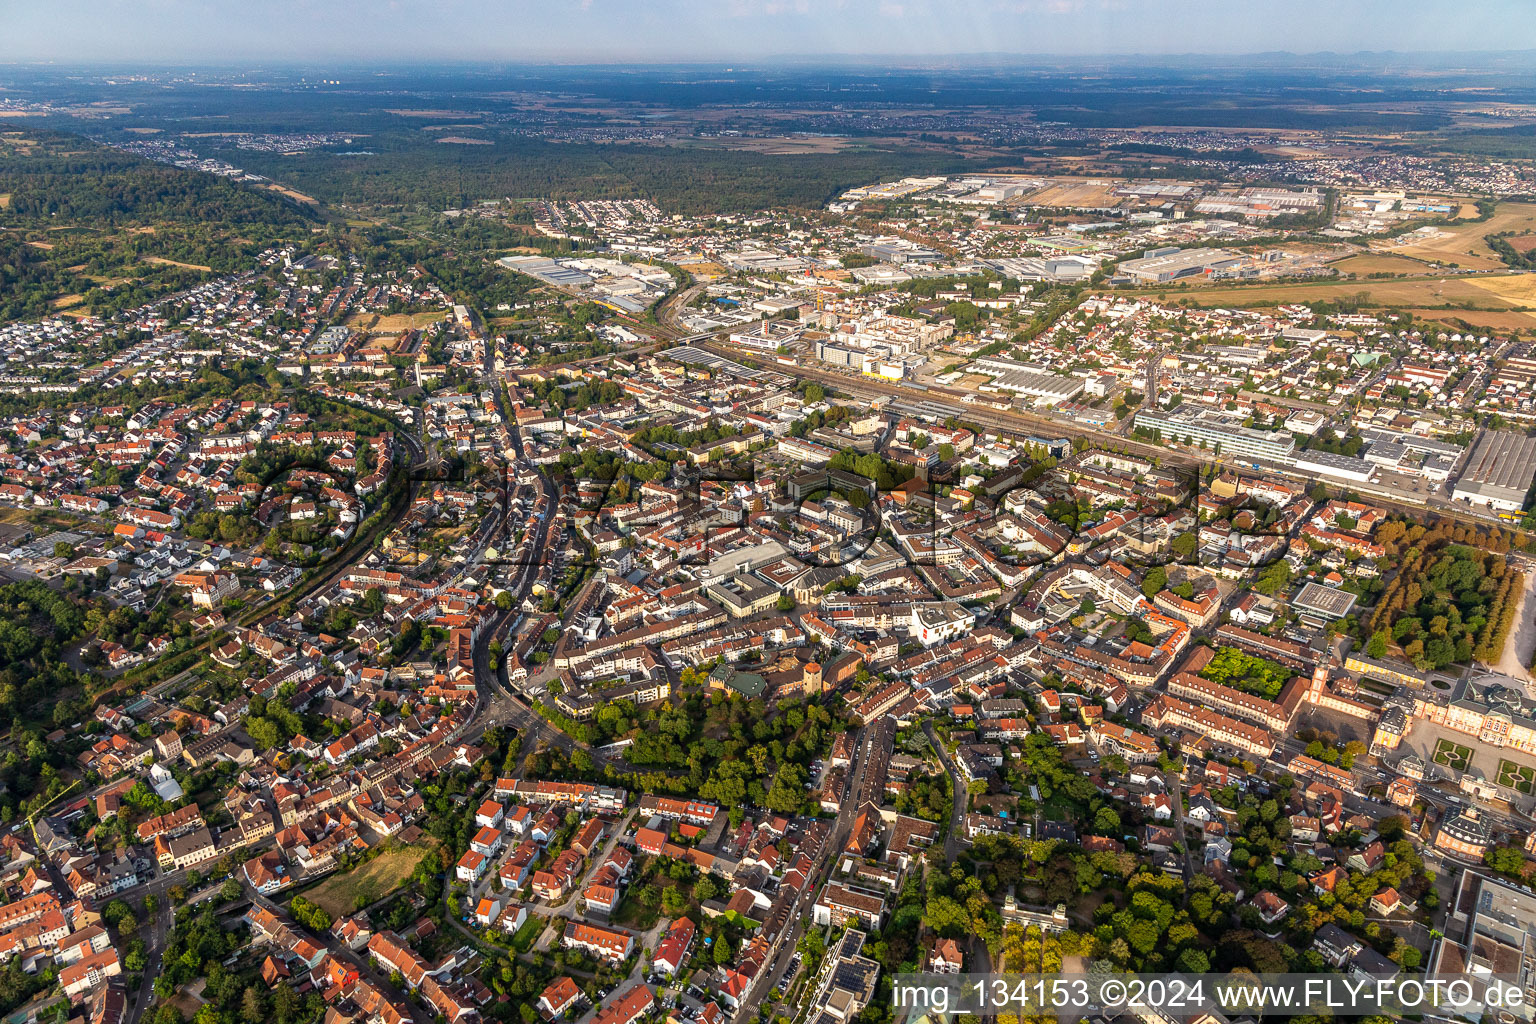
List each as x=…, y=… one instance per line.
x=1173, y=264
x=1498, y=472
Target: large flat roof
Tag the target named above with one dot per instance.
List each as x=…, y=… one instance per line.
x=1502, y=465
x=1329, y=602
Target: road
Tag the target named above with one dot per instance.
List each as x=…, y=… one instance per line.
x=500, y=704
x=783, y=948
x=1176, y=795
x=962, y=795
x=154, y=949
x=157, y=936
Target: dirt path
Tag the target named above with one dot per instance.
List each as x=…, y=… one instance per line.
x=173, y=263
x=1519, y=648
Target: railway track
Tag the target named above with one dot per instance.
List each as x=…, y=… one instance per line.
x=1019, y=424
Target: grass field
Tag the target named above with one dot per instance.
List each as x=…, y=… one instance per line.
x=342, y=894
x=529, y=933
x=384, y=331
x=1463, y=244
x=187, y=1003
x=1521, y=777
x=1453, y=755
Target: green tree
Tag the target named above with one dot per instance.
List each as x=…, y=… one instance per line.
x=947, y=917
x=252, y=1006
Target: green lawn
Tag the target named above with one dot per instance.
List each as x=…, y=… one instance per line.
x=528, y=934
x=1520, y=777
x=1453, y=755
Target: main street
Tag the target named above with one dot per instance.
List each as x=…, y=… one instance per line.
x=499, y=703
x=782, y=951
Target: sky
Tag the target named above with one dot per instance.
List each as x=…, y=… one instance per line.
x=612, y=31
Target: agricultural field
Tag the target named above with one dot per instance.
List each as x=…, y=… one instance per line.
x=1519, y=777
x=1453, y=755
x=1482, y=319
x=1380, y=263
x=1464, y=244
x=342, y=894
x=1494, y=292
x=1516, y=288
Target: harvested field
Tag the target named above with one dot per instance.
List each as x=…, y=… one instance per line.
x=1464, y=244
x=1489, y=320
x=1518, y=288
x=1380, y=263
x=1495, y=292
x=162, y=261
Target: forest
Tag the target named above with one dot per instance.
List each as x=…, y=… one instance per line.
x=719, y=747
x=1450, y=602
x=405, y=171
x=65, y=179
x=92, y=227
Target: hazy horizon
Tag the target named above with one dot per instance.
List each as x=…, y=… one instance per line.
x=220, y=33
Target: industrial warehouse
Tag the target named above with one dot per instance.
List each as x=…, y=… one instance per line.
x=1499, y=471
